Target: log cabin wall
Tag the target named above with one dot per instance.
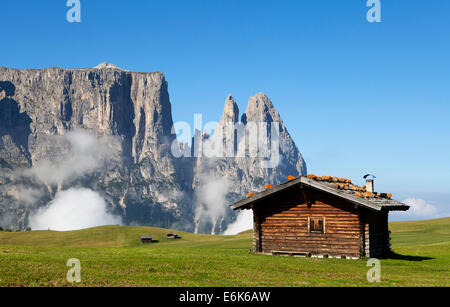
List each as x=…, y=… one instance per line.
x=281, y=224
x=256, y=231
x=376, y=234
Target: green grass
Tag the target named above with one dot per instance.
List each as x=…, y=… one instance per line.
x=114, y=256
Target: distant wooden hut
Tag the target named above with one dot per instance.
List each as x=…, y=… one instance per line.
x=173, y=236
x=147, y=239
x=321, y=216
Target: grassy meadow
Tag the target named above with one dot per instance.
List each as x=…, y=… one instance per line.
x=114, y=256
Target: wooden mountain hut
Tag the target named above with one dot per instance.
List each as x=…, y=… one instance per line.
x=321, y=216
x=147, y=239
x=172, y=236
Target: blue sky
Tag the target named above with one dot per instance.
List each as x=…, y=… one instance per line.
x=357, y=97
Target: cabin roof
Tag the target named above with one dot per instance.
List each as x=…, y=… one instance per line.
x=376, y=203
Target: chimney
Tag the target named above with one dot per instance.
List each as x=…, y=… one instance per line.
x=370, y=186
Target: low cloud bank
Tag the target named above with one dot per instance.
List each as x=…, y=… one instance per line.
x=28, y=197
x=244, y=221
x=85, y=154
x=74, y=209
x=211, y=198
x=420, y=208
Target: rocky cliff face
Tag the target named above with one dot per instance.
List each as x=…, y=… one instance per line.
x=135, y=170
x=235, y=174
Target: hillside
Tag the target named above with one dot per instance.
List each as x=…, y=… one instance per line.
x=120, y=237
x=428, y=232
x=113, y=256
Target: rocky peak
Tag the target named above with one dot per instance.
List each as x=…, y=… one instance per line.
x=106, y=65
x=230, y=112
x=261, y=109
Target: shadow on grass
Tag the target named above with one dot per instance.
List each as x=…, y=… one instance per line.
x=396, y=256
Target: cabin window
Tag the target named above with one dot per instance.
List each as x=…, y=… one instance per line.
x=316, y=224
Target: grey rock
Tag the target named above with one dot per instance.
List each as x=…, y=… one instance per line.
x=245, y=174
x=139, y=177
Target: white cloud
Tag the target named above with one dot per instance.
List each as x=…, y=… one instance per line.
x=85, y=154
x=244, y=221
x=419, y=208
x=28, y=197
x=211, y=198
x=74, y=209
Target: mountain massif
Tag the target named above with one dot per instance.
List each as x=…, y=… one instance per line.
x=111, y=131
